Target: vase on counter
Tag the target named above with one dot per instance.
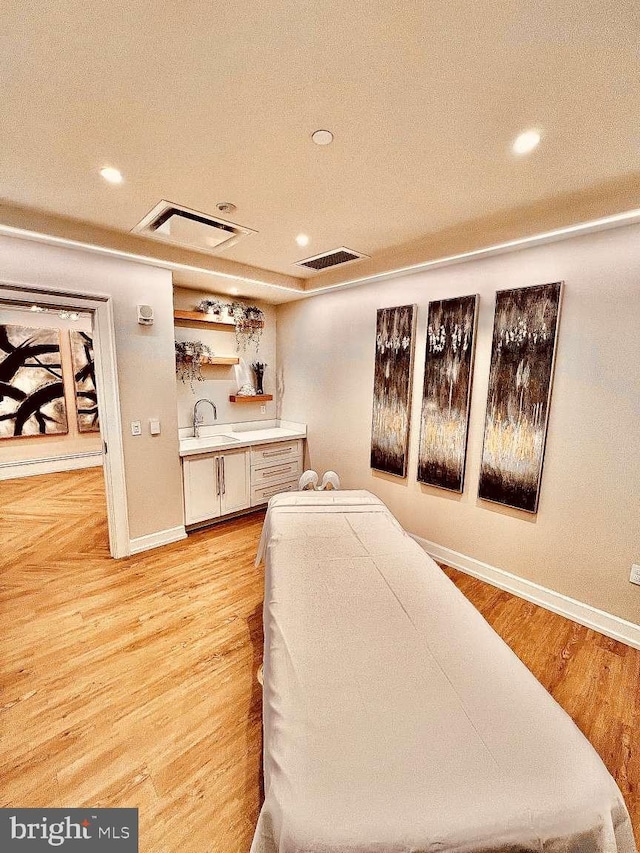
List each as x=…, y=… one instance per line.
x=258, y=368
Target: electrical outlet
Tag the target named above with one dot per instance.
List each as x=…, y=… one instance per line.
x=634, y=577
x=136, y=428
x=263, y=410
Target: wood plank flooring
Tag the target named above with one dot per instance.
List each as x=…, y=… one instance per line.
x=132, y=682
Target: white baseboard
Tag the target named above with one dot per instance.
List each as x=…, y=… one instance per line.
x=155, y=540
x=49, y=465
x=606, y=623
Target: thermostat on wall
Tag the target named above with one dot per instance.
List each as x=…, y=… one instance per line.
x=145, y=315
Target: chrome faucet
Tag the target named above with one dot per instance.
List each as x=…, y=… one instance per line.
x=197, y=421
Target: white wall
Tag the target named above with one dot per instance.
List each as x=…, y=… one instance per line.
x=220, y=382
x=146, y=364
x=587, y=530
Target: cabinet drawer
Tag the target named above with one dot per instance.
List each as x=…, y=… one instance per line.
x=272, y=454
x=261, y=494
x=276, y=473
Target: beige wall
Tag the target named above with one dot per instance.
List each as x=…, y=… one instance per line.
x=146, y=365
x=586, y=534
x=50, y=446
x=220, y=382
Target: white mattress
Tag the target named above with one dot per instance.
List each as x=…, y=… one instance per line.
x=395, y=718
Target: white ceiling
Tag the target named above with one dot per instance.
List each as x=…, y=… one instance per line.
x=200, y=102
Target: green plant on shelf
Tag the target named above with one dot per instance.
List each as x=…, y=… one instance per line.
x=210, y=305
x=248, y=320
x=190, y=356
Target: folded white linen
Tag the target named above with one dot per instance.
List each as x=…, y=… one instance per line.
x=310, y=502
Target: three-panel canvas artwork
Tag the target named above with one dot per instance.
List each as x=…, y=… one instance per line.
x=446, y=395
x=520, y=380
x=32, y=393
x=522, y=357
x=392, y=389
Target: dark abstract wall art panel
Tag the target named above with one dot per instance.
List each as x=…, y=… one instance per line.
x=84, y=376
x=448, y=374
x=31, y=387
x=522, y=360
x=392, y=389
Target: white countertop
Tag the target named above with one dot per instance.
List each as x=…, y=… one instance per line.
x=230, y=436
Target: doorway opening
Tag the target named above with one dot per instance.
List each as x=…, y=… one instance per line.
x=59, y=412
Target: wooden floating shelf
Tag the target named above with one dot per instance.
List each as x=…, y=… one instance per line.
x=211, y=321
x=215, y=359
x=250, y=398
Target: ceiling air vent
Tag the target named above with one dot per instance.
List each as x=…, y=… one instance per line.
x=333, y=258
x=190, y=229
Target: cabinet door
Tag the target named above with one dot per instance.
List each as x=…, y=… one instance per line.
x=234, y=481
x=201, y=489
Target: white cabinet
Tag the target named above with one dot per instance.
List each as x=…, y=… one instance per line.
x=268, y=455
x=275, y=468
x=219, y=484
x=235, y=491
x=216, y=484
x=201, y=488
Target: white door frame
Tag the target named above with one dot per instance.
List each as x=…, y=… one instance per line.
x=104, y=347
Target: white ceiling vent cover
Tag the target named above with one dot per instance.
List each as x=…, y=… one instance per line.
x=334, y=258
x=191, y=229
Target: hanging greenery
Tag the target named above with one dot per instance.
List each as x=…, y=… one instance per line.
x=251, y=327
x=190, y=356
x=236, y=311
x=248, y=320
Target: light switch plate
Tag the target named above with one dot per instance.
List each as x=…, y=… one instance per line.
x=154, y=426
x=635, y=574
x=136, y=428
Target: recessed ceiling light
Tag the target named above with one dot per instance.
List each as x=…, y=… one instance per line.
x=113, y=176
x=526, y=142
x=322, y=137
x=302, y=240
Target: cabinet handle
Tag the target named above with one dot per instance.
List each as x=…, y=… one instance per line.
x=276, y=452
x=274, y=472
x=217, y=475
x=269, y=493
x=224, y=479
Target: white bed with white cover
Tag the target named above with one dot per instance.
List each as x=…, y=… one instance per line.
x=395, y=719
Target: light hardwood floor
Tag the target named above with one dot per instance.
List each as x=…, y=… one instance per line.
x=132, y=683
